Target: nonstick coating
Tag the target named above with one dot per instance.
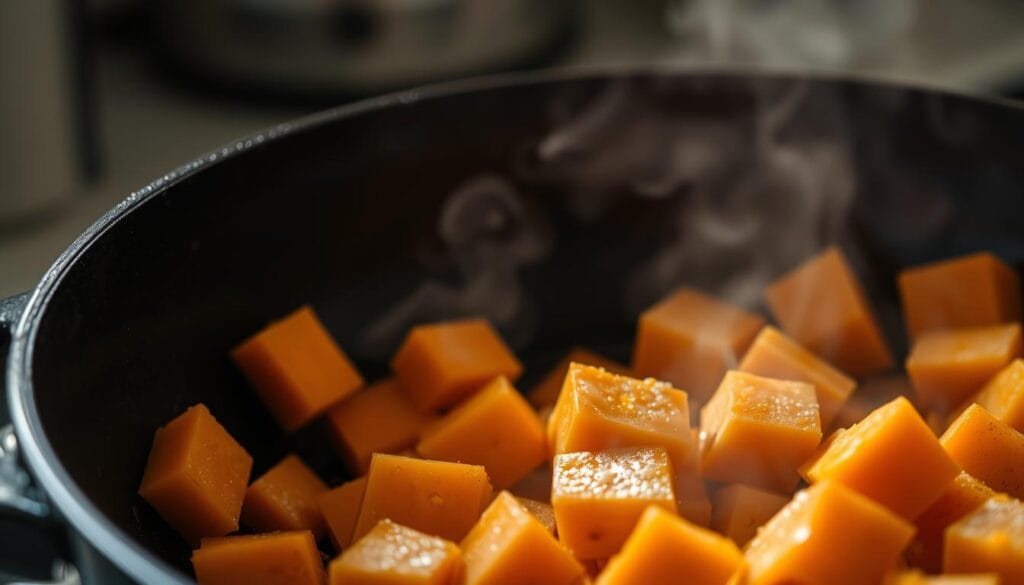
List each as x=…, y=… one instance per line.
x=343, y=213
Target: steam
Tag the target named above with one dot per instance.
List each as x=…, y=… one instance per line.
x=490, y=235
x=756, y=193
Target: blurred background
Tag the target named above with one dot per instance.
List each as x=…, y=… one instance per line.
x=101, y=96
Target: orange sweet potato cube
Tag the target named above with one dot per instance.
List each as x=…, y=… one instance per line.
x=378, y=419
x=692, y=501
x=948, y=366
x=284, y=498
x=759, y=430
x=829, y=534
x=969, y=291
x=340, y=510
x=280, y=558
x=822, y=305
x=495, y=428
x=989, y=540
x=545, y=393
x=542, y=511
x=1003, y=395
x=196, y=475
x=441, y=364
x=297, y=368
x=437, y=497
x=392, y=554
x=599, y=410
x=690, y=339
x=739, y=510
x=988, y=449
x=598, y=497
x=892, y=457
x=960, y=498
x=509, y=545
x=665, y=550
x=774, y=355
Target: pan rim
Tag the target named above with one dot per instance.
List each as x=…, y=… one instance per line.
x=63, y=492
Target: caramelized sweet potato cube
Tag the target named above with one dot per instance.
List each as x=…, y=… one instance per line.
x=692, y=501
x=392, y=554
x=280, y=558
x=690, y=339
x=822, y=305
x=969, y=291
x=441, y=364
x=297, y=368
x=892, y=457
x=598, y=497
x=495, y=428
x=665, y=550
x=988, y=449
x=960, y=498
x=948, y=366
x=773, y=355
x=989, y=540
x=378, y=419
x=545, y=393
x=599, y=410
x=437, y=497
x=828, y=534
x=196, y=475
x=284, y=498
x=509, y=546
x=1003, y=395
x=759, y=430
x=739, y=510
x=542, y=511
x=340, y=510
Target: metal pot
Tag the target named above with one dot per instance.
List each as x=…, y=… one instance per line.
x=556, y=205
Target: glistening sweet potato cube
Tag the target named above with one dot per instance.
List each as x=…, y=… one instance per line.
x=989, y=540
x=443, y=363
x=542, y=511
x=969, y=291
x=545, y=393
x=437, y=497
x=773, y=355
x=495, y=428
x=828, y=534
x=599, y=410
x=340, y=510
x=759, y=430
x=949, y=365
x=284, y=498
x=988, y=449
x=280, y=558
x=665, y=550
x=196, y=475
x=510, y=546
x=392, y=554
x=822, y=305
x=690, y=339
x=598, y=497
x=378, y=419
x=1003, y=395
x=739, y=510
x=960, y=498
x=892, y=457
x=297, y=368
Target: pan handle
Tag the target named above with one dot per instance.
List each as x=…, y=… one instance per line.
x=22, y=506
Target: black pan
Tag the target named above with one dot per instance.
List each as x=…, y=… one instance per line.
x=558, y=206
